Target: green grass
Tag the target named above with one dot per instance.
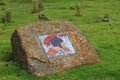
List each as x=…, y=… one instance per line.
x=104, y=38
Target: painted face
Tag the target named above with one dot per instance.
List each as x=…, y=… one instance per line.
x=62, y=44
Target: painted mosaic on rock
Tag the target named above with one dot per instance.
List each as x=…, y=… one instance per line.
x=57, y=44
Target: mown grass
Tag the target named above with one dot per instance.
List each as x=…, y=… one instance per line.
x=105, y=37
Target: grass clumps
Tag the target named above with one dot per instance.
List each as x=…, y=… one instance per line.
x=6, y=18
x=37, y=6
x=77, y=9
x=2, y=2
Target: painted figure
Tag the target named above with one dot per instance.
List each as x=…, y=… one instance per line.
x=57, y=45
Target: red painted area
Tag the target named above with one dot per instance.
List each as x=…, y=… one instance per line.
x=48, y=38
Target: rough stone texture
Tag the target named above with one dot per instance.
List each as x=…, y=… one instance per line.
x=28, y=50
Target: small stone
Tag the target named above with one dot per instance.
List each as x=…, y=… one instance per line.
x=43, y=17
x=106, y=18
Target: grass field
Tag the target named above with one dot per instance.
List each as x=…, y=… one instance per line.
x=104, y=36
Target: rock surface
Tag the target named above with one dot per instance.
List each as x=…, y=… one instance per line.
x=29, y=51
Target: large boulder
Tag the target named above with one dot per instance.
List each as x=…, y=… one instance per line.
x=49, y=47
